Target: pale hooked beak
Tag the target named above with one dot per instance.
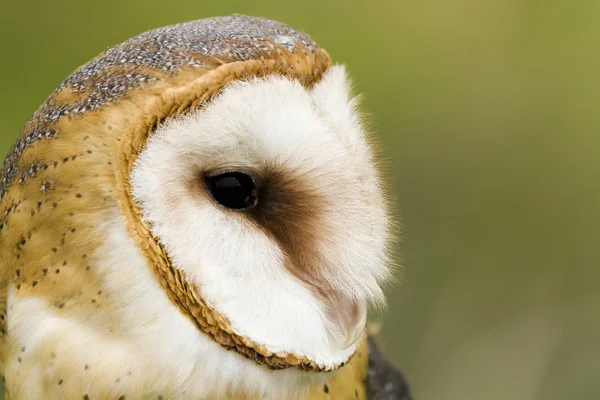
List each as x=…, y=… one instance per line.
x=347, y=318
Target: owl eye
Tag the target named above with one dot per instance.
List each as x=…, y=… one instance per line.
x=234, y=190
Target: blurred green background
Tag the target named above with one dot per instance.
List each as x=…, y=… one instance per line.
x=488, y=114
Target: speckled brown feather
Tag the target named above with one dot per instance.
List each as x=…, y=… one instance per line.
x=68, y=166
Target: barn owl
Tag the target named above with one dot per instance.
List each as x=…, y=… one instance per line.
x=195, y=214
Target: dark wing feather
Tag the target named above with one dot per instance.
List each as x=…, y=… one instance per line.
x=385, y=382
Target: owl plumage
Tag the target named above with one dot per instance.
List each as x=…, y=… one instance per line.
x=123, y=274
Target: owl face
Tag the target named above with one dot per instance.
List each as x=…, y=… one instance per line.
x=267, y=199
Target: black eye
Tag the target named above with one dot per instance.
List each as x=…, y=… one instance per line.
x=234, y=190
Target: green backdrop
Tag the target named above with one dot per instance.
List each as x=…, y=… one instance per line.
x=487, y=111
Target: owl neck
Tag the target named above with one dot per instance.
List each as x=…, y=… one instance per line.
x=349, y=382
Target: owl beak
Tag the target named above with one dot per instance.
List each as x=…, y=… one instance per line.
x=348, y=318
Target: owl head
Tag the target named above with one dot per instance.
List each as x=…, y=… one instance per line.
x=266, y=199
x=220, y=169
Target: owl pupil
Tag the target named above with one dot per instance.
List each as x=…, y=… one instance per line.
x=234, y=190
